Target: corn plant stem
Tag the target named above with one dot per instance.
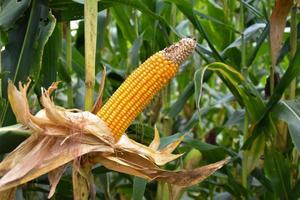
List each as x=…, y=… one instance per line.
x=244, y=167
x=90, y=34
x=69, y=63
x=272, y=74
x=293, y=47
x=272, y=71
x=243, y=45
x=273, y=63
x=293, y=86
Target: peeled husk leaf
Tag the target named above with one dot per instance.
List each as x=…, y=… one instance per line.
x=54, y=177
x=8, y=194
x=60, y=135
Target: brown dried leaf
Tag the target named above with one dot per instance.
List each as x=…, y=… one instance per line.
x=277, y=25
x=56, y=156
x=156, y=141
x=18, y=101
x=137, y=165
x=8, y=194
x=54, y=177
x=28, y=162
x=19, y=153
x=187, y=178
x=60, y=136
x=98, y=103
x=171, y=147
x=158, y=157
x=114, y=164
x=53, y=87
x=56, y=115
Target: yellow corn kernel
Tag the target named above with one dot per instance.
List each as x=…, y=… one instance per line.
x=140, y=87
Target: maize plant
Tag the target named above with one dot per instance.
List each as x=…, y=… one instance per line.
x=60, y=135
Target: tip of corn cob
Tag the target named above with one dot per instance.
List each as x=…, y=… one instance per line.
x=179, y=51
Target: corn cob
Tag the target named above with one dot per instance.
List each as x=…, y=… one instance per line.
x=139, y=88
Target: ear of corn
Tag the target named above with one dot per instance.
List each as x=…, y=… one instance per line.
x=140, y=87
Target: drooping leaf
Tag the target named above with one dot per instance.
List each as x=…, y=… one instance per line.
x=50, y=61
x=249, y=33
x=253, y=9
x=259, y=43
x=247, y=96
x=11, y=11
x=242, y=90
x=23, y=54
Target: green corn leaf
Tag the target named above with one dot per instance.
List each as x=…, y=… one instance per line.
x=23, y=54
x=11, y=137
x=289, y=112
x=139, y=186
x=277, y=170
x=11, y=11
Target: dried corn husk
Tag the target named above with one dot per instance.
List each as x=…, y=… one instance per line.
x=60, y=135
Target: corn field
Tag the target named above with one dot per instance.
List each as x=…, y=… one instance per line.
x=152, y=99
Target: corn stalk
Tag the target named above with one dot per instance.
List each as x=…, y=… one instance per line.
x=293, y=46
x=293, y=86
x=82, y=176
x=90, y=34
